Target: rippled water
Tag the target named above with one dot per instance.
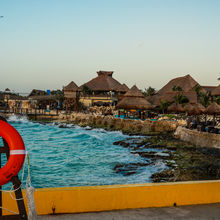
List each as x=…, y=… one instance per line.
x=75, y=156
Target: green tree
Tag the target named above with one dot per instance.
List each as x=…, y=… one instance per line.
x=86, y=90
x=150, y=91
x=206, y=97
x=181, y=99
x=177, y=88
x=197, y=88
x=217, y=100
x=164, y=104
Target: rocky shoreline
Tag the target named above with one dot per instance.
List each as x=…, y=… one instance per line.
x=128, y=126
x=183, y=161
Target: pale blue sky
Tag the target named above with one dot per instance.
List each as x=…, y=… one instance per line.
x=45, y=44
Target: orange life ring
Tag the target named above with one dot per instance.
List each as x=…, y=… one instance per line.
x=17, y=152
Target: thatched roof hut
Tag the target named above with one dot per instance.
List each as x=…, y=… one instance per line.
x=186, y=83
x=134, y=99
x=169, y=96
x=194, y=109
x=213, y=109
x=200, y=107
x=71, y=91
x=7, y=90
x=104, y=82
x=71, y=87
x=209, y=88
x=37, y=92
x=125, y=87
x=216, y=91
x=43, y=97
x=175, y=108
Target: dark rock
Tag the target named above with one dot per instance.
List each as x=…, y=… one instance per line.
x=153, y=155
x=128, y=169
x=62, y=126
x=163, y=176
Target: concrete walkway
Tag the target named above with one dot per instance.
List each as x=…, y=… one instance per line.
x=200, y=212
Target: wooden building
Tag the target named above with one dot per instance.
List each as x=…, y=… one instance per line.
x=71, y=96
x=134, y=103
x=184, y=86
x=102, y=90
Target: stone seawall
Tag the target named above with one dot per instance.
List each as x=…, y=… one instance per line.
x=112, y=123
x=202, y=139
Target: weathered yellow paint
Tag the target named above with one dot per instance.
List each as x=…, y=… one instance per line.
x=101, y=198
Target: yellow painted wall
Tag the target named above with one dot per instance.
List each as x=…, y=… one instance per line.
x=101, y=198
x=88, y=101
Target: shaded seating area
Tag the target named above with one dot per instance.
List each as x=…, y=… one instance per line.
x=195, y=111
x=133, y=105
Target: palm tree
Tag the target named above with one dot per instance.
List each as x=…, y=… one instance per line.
x=86, y=90
x=164, y=104
x=197, y=88
x=217, y=99
x=205, y=99
x=181, y=99
x=150, y=91
x=177, y=88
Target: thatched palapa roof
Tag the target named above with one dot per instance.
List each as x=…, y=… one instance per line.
x=175, y=108
x=209, y=88
x=125, y=87
x=104, y=82
x=134, y=99
x=186, y=83
x=216, y=91
x=37, y=92
x=169, y=96
x=134, y=92
x=194, y=109
x=43, y=97
x=71, y=87
x=213, y=109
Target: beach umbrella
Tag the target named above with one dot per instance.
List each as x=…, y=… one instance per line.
x=194, y=109
x=189, y=108
x=213, y=109
x=175, y=108
x=134, y=99
x=200, y=107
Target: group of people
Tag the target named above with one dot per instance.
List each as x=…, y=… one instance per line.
x=194, y=122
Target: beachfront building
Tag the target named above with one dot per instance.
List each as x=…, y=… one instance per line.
x=102, y=90
x=71, y=96
x=11, y=100
x=3, y=104
x=180, y=86
x=209, y=89
x=46, y=100
x=216, y=91
x=20, y=104
x=133, y=104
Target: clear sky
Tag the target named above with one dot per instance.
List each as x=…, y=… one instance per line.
x=45, y=44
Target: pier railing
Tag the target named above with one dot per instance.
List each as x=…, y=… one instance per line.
x=29, y=111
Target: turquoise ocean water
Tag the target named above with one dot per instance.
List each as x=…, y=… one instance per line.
x=75, y=156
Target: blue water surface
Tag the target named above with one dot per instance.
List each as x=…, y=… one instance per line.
x=76, y=156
